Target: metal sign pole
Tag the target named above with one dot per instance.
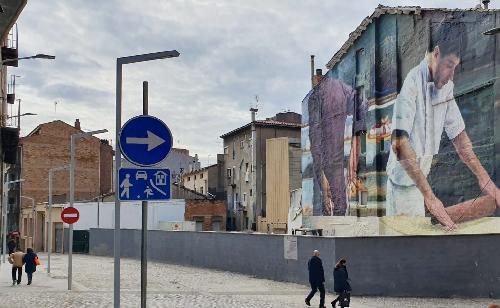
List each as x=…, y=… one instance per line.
x=71, y=201
x=118, y=163
x=4, y=221
x=33, y=223
x=49, y=236
x=144, y=237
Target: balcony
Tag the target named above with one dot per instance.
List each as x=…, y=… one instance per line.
x=10, y=50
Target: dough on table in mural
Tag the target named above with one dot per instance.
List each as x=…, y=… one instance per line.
x=405, y=225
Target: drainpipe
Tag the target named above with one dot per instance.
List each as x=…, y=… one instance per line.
x=253, y=166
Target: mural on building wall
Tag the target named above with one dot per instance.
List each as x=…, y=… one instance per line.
x=415, y=145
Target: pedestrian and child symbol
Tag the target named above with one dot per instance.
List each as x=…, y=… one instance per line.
x=126, y=187
x=144, y=184
x=148, y=191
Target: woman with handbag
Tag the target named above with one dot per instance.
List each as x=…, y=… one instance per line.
x=30, y=260
x=341, y=284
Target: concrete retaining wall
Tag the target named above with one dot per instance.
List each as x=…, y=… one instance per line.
x=437, y=266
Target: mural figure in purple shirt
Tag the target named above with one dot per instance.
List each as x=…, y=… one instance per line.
x=329, y=105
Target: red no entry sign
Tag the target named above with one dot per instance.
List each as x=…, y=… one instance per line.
x=70, y=215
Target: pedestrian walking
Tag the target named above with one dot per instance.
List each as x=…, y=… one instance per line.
x=16, y=259
x=30, y=260
x=316, y=279
x=341, y=284
x=11, y=245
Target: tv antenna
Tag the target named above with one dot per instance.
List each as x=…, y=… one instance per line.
x=256, y=96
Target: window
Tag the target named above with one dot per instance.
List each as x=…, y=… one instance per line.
x=228, y=172
x=195, y=177
x=251, y=191
x=201, y=176
x=246, y=167
x=242, y=144
x=29, y=227
x=189, y=178
x=244, y=197
x=25, y=229
x=363, y=143
x=360, y=97
x=234, y=150
x=201, y=190
x=359, y=57
x=226, y=150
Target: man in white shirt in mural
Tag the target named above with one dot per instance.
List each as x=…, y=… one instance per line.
x=426, y=107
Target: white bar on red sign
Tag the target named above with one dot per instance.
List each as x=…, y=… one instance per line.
x=70, y=215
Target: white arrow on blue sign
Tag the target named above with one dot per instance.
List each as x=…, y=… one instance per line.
x=145, y=140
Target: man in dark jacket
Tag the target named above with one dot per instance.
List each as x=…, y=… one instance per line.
x=341, y=284
x=316, y=279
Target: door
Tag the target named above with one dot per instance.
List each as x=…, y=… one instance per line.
x=216, y=225
x=59, y=237
x=81, y=241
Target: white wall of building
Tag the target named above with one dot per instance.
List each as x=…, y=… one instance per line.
x=130, y=214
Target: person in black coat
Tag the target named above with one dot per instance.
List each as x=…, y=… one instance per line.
x=316, y=279
x=341, y=284
x=29, y=264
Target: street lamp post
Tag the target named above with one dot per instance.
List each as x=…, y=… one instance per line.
x=119, y=65
x=33, y=224
x=72, y=194
x=22, y=115
x=4, y=215
x=49, y=234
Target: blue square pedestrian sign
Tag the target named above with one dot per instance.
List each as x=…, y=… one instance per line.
x=144, y=184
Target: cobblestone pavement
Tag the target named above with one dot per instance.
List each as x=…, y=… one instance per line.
x=173, y=286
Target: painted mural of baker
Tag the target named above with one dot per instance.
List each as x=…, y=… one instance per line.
x=426, y=107
x=332, y=104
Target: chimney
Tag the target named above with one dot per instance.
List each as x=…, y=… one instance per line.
x=253, y=111
x=317, y=78
x=485, y=4
x=77, y=124
x=312, y=71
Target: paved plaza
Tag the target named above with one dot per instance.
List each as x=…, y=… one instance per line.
x=173, y=286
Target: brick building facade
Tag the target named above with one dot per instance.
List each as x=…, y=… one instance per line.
x=209, y=215
x=48, y=146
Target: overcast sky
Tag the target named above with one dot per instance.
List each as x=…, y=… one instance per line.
x=230, y=52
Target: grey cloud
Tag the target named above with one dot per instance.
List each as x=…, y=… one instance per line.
x=230, y=50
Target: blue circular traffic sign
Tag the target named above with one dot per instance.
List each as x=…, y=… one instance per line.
x=145, y=140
